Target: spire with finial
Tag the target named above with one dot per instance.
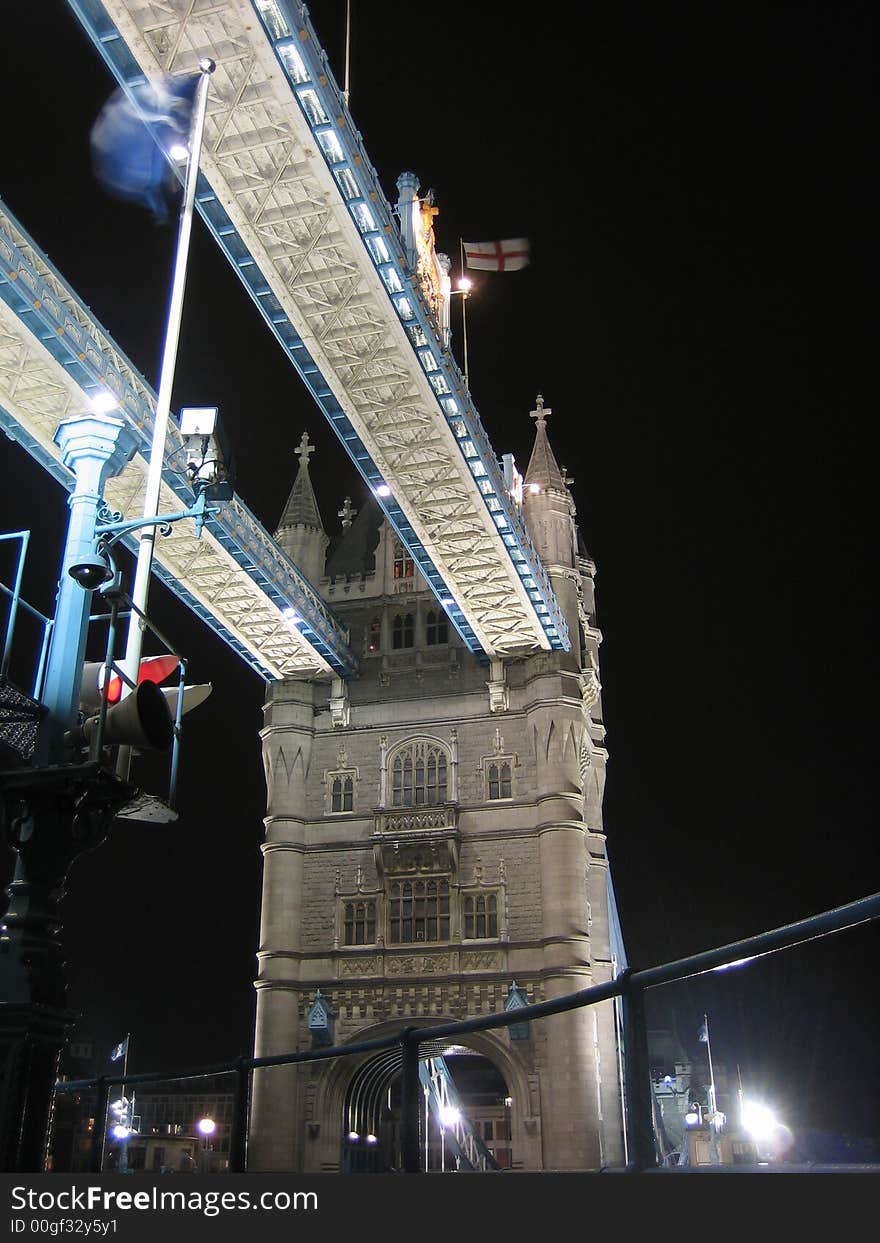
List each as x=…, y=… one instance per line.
x=300, y=532
x=543, y=472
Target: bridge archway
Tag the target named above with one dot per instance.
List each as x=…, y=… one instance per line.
x=492, y=1090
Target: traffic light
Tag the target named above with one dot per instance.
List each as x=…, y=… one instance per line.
x=142, y=719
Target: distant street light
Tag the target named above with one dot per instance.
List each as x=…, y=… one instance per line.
x=449, y=1117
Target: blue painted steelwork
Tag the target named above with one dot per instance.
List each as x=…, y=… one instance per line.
x=306, y=68
x=70, y=343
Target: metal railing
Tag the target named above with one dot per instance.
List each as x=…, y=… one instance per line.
x=630, y=986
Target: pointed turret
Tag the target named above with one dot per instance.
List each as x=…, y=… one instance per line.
x=543, y=473
x=300, y=532
x=548, y=508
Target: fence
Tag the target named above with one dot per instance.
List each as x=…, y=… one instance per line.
x=630, y=986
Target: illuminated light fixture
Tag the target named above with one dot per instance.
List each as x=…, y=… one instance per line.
x=738, y=962
x=120, y=1131
x=103, y=402
x=371, y=1140
x=449, y=1115
x=447, y=602
x=758, y=1120
x=464, y=284
x=692, y=1118
x=291, y=615
x=179, y=152
x=352, y=1137
x=383, y=490
x=534, y=488
x=207, y=1126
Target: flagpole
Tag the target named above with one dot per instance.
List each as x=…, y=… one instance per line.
x=711, y=1071
x=464, y=298
x=146, y=545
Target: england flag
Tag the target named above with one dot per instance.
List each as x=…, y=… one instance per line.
x=511, y=255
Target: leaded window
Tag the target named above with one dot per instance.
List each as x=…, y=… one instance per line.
x=404, y=566
x=436, y=628
x=342, y=792
x=418, y=910
x=480, y=916
x=498, y=778
x=403, y=630
x=419, y=775
x=360, y=923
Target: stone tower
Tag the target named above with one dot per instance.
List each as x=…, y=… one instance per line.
x=434, y=839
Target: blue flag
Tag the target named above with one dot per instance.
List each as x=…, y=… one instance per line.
x=131, y=135
x=119, y=1050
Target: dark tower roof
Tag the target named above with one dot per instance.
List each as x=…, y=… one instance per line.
x=353, y=552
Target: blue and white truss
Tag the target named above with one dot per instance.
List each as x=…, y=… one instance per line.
x=290, y=195
x=54, y=356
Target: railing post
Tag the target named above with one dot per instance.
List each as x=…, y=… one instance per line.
x=238, y=1138
x=637, y=1080
x=410, y=1104
x=96, y=1159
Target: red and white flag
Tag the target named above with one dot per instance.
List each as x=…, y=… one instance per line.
x=508, y=256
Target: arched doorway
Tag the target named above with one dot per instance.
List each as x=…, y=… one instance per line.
x=473, y=1117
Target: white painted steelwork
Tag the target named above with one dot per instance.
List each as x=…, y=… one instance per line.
x=290, y=196
x=54, y=358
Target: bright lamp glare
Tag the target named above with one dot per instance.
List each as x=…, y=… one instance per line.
x=758, y=1120
x=383, y=490
x=449, y=1115
x=207, y=1126
x=178, y=151
x=120, y=1131
x=464, y=284
x=103, y=402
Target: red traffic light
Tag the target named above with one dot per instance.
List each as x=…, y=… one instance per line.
x=151, y=669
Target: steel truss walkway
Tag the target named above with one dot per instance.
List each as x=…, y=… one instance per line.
x=54, y=356
x=288, y=192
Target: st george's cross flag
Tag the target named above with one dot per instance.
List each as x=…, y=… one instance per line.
x=133, y=134
x=510, y=255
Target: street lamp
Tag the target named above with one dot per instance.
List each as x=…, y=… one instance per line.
x=449, y=1117
x=206, y=1127
x=464, y=289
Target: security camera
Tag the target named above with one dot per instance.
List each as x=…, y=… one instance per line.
x=91, y=572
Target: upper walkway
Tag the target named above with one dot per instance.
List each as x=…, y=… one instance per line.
x=289, y=194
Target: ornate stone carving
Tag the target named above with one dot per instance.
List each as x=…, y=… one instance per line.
x=417, y=964
x=480, y=960
x=359, y=966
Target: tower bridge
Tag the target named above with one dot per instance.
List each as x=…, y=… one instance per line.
x=431, y=851
x=288, y=192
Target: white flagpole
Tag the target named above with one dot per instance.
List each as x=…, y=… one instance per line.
x=711, y=1070
x=143, y=568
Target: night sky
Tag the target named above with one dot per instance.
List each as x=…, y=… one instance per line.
x=695, y=183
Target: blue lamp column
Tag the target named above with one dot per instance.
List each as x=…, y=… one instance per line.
x=51, y=811
x=95, y=448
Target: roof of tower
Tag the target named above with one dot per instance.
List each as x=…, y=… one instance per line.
x=353, y=552
x=543, y=468
x=302, y=508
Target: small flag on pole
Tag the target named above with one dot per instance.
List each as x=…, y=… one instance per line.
x=510, y=255
x=119, y=1050
x=133, y=134
x=703, y=1033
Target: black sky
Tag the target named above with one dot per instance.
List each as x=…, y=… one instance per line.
x=696, y=183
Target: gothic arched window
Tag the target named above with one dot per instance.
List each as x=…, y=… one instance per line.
x=360, y=923
x=419, y=773
x=403, y=630
x=342, y=793
x=436, y=628
x=480, y=916
x=404, y=567
x=498, y=777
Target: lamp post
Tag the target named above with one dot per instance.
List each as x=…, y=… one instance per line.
x=464, y=289
x=206, y=1128
x=449, y=1117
